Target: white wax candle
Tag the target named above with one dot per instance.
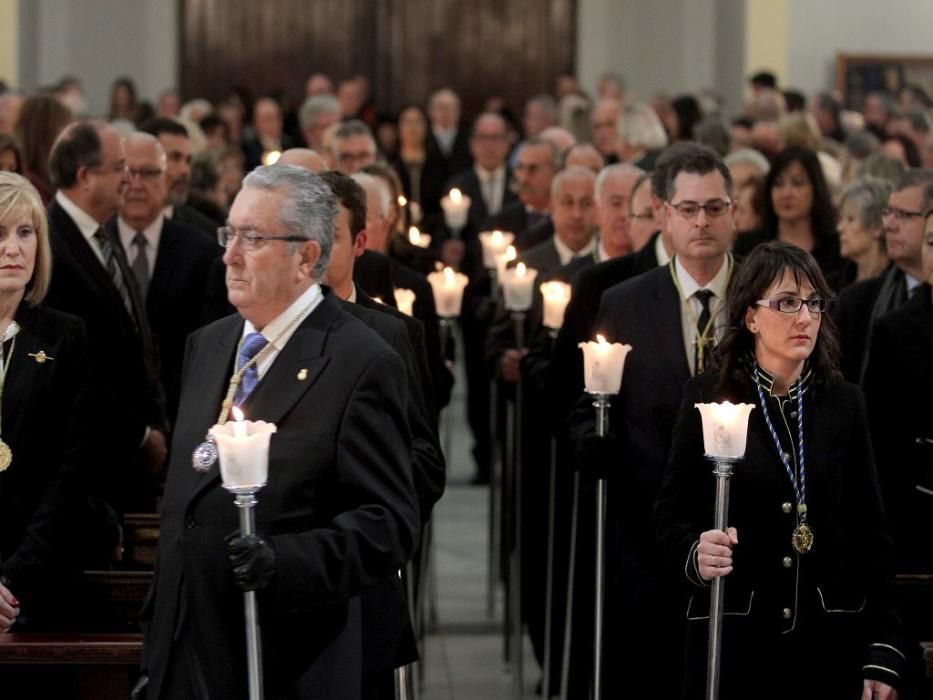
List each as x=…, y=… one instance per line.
x=456, y=206
x=556, y=296
x=725, y=428
x=503, y=260
x=422, y=240
x=243, y=447
x=494, y=244
x=603, y=363
x=518, y=287
x=448, y=286
x=405, y=300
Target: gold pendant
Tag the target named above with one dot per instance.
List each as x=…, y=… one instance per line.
x=802, y=539
x=6, y=456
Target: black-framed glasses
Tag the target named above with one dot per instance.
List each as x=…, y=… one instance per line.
x=249, y=240
x=146, y=174
x=900, y=214
x=791, y=305
x=713, y=208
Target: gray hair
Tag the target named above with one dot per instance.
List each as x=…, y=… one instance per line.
x=567, y=173
x=557, y=160
x=914, y=177
x=312, y=205
x=614, y=170
x=748, y=156
x=315, y=106
x=352, y=128
x=870, y=196
x=881, y=166
x=640, y=127
x=367, y=182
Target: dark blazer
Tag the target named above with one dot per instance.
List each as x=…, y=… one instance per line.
x=825, y=252
x=253, y=150
x=49, y=424
x=123, y=364
x=856, y=309
x=434, y=173
x=459, y=158
x=565, y=376
x=339, y=508
x=515, y=218
x=832, y=604
x=175, y=298
x=898, y=384
x=188, y=216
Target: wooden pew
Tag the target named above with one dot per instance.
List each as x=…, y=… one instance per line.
x=140, y=536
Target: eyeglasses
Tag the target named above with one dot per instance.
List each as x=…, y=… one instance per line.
x=361, y=157
x=713, y=208
x=900, y=214
x=250, y=242
x=147, y=174
x=791, y=305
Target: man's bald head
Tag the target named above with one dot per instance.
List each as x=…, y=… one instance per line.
x=304, y=158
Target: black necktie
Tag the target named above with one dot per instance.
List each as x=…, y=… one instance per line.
x=141, y=262
x=702, y=344
x=116, y=273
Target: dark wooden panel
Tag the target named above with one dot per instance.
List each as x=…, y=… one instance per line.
x=407, y=48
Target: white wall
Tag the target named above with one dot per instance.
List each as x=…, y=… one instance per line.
x=819, y=29
x=99, y=40
x=663, y=45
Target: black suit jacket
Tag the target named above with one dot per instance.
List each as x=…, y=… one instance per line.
x=339, y=507
x=459, y=158
x=188, y=216
x=565, y=375
x=898, y=385
x=122, y=356
x=515, y=218
x=49, y=424
x=176, y=297
x=253, y=150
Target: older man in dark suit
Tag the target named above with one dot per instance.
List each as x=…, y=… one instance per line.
x=339, y=512
x=93, y=280
x=169, y=261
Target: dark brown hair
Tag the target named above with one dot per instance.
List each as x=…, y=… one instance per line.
x=40, y=121
x=763, y=266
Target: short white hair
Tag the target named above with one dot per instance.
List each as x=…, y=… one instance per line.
x=614, y=170
x=367, y=182
x=640, y=127
x=748, y=156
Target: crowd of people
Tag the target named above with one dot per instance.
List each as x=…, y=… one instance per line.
x=781, y=257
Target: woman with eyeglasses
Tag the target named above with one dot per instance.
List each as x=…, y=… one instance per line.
x=798, y=209
x=806, y=556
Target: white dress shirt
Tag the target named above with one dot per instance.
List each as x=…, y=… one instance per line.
x=87, y=224
x=153, y=233
x=566, y=254
x=492, y=185
x=691, y=308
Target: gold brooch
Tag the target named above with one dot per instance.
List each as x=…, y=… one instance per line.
x=302, y=375
x=40, y=357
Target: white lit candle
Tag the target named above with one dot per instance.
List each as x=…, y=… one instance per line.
x=243, y=447
x=494, y=244
x=415, y=237
x=503, y=260
x=271, y=157
x=405, y=300
x=402, y=201
x=556, y=296
x=456, y=206
x=447, y=286
x=603, y=363
x=725, y=428
x=518, y=287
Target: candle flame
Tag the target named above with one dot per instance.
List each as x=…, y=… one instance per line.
x=449, y=275
x=520, y=270
x=455, y=195
x=271, y=157
x=402, y=201
x=414, y=235
x=379, y=299
x=510, y=253
x=237, y=413
x=601, y=339
x=497, y=238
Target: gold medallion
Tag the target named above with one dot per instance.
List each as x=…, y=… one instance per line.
x=802, y=539
x=6, y=456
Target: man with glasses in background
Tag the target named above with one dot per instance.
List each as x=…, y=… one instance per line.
x=671, y=317
x=169, y=261
x=863, y=303
x=93, y=280
x=352, y=147
x=339, y=513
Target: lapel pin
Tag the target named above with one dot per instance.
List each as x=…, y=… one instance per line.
x=302, y=375
x=40, y=357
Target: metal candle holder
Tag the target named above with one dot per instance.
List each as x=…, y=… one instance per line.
x=723, y=469
x=245, y=500
x=549, y=580
x=515, y=561
x=601, y=402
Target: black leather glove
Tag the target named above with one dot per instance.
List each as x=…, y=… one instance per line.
x=252, y=559
x=141, y=689
x=598, y=457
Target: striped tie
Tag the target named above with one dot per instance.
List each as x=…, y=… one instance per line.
x=252, y=344
x=116, y=274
